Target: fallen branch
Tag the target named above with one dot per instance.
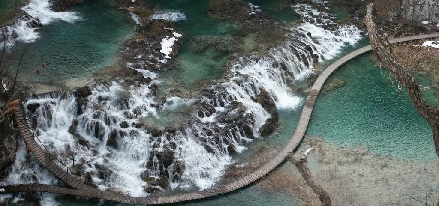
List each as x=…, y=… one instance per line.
x=386, y=58
x=302, y=164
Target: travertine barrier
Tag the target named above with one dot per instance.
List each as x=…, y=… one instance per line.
x=80, y=189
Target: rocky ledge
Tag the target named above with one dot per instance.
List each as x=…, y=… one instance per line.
x=269, y=31
x=62, y=5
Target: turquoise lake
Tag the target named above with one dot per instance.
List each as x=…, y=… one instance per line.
x=368, y=110
x=72, y=50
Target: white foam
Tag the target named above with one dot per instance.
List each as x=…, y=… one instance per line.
x=26, y=170
x=169, y=15
x=254, y=9
x=40, y=9
x=173, y=103
x=202, y=168
x=329, y=43
x=24, y=33
x=147, y=73
x=38, y=12
x=135, y=18
x=48, y=199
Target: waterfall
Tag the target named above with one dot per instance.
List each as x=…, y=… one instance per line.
x=36, y=14
x=110, y=136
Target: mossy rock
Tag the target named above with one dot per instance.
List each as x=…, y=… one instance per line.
x=328, y=86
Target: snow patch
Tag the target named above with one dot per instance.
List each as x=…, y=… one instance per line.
x=177, y=34
x=425, y=22
x=168, y=43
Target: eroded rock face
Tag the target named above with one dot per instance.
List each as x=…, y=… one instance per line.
x=144, y=50
x=395, y=17
x=62, y=5
x=420, y=10
x=268, y=104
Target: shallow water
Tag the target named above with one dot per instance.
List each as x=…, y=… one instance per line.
x=356, y=113
x=72, y=50
x=195, y=65
x=372, y=112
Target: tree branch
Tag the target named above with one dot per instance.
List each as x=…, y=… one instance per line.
x=302, y=164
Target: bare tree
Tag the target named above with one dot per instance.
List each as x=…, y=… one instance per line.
x=302, y=164
x=9, y=88
x=385, y=57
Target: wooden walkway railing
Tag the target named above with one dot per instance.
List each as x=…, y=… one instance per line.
x=80, y=189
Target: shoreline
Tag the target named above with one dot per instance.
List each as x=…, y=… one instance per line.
x=355, y=176
x=11, y=14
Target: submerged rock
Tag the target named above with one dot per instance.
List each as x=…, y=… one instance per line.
x=217, y=43
x=328, y=86
x=269, y=31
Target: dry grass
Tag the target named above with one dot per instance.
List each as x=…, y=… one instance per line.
x=417, y=58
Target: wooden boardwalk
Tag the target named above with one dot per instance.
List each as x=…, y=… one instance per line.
x=80, y=189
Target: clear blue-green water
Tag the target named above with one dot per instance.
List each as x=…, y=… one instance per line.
x=193, y=65
x=72, y=50
x=209, y=64
x=367, y=110
x=372, y=112
x=279, y=10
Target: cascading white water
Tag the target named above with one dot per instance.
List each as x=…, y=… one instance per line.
x=169, y=15
x=26, y=171
x=108, y=135
x=36, y=12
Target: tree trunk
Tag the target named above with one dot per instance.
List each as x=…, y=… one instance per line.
x=302, y=164
x=381, y=51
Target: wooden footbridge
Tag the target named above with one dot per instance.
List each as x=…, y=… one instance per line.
x=78, y=188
